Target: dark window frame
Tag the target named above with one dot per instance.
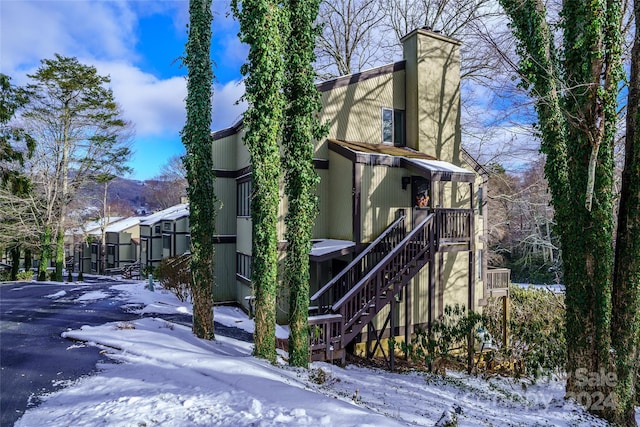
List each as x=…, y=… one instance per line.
x=243, y=197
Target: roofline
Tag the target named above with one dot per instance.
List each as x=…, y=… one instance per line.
x=326, y=86
x=436, y=34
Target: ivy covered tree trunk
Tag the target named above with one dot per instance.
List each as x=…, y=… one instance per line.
x=625, y=324
x=577, y=128
x=260, y=25
x=45, y=254
x=198, y=163
x=300, y=128
x=592, y=71
x=15, y=261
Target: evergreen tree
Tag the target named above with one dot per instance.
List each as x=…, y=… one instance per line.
x=260, y=28
x=198, y=163
x=77, y=124
x=300, y=128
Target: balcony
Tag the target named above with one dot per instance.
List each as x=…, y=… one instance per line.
x=497, y=282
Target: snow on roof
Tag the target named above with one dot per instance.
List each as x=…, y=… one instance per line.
x=93, y=227
x=327, y=247
x=171, y=213
x=124, y=224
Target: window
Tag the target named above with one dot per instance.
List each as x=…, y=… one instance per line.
x=94, y=249
x=167, y=226
x=393, y=127
x=111, y=250
x=157, y=228
x=244, y=198
x=166, y=242
x=480, y=201
x=480, y=264
x=243, y=265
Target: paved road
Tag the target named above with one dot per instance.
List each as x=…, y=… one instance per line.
x=34, y=358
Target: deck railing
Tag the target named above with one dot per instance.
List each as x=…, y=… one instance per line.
x=498, y=278
x=366, y=299
x=337, y=287
x=325, y=337
x=454, y=226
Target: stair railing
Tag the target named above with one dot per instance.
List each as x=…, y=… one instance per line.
x=364, y=300
x=337, y=287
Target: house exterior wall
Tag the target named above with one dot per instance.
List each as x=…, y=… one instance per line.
x=340, y=205
x=354, y=112
x=382, y=197
x=225, y=189
x=321, y=227
x=433, y=92
x=225, y=286
x=426, y=86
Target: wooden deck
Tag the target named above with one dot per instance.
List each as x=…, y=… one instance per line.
x=352, y=299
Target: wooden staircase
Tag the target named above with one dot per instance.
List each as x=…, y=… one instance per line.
x=343, y=307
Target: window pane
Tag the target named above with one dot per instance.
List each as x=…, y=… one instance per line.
x=387, y=125
x=398, y=128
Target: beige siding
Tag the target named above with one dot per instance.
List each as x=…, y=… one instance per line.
x=244, y=235
x=224, y=152
x=321, y=228
x=224, y=289
x=225, y=189
x=438, y=98
x=340, y=204
x=353, y=112
x=382, y=196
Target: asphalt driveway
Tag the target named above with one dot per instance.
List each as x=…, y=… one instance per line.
x=34, y=358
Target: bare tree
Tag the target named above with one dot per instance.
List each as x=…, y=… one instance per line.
x=170, y=186
x=349, y=41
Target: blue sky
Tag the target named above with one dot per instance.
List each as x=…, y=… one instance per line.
x=139, y=44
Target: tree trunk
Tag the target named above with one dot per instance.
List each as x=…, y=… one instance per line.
x=15, y=262
x=625, y=323
x=260, y=25
x=199, y=166
x=59, y=254
x=27, y=260
x=45, y=253
x=300, y=127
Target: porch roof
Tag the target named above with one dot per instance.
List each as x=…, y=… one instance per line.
x=414, y=161
x=325, y=249
x=437, y=170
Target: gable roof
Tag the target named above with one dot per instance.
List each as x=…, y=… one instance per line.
x=403, y=157
x=169, y=214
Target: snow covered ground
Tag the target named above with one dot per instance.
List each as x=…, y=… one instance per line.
x=167, y=377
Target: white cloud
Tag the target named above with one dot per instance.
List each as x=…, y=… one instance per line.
x=32, y=30
x=155, y=106
x=227, y=109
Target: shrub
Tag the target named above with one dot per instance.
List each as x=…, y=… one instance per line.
x=149, y=269
x=25, y=275
x=536, y=330
x=174, y=275
x=448, y=341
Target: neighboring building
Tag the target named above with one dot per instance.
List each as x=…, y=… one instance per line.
x=400, y=203
x=82, y=245
x=144, y=240
x=164, y=234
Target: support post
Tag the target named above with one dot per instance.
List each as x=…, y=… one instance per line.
x=506, y=315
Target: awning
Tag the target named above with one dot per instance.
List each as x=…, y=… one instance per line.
x=437, y=170
x=326, y=249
